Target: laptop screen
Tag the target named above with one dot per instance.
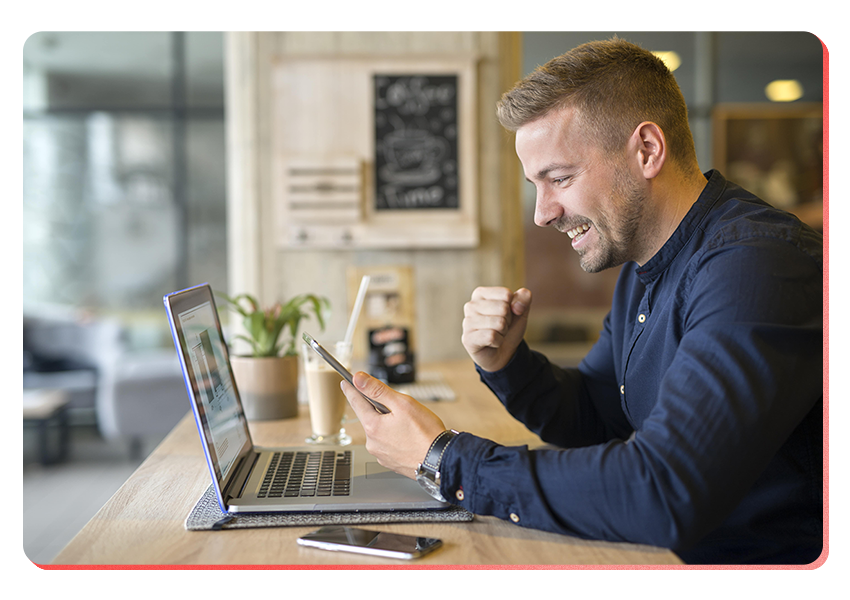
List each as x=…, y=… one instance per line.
x=204, y=358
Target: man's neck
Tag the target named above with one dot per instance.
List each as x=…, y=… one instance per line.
x=671, y=195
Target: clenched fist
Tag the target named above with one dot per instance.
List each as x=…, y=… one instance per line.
x=494, y=322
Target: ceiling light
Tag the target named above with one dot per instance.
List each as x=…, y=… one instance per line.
x=784, y=90
x=671, y=59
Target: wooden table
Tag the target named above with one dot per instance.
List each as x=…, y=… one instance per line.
x=142, y=524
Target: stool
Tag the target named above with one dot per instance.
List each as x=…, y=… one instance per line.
x=44, y=408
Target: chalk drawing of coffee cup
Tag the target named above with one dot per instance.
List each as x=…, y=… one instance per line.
x=413, y=156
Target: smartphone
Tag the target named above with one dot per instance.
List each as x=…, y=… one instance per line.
x=366, y=541
x=329, y=358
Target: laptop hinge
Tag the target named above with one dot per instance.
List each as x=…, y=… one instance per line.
x=243, y=474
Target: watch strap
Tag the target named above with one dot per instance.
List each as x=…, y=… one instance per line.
x=438, y=448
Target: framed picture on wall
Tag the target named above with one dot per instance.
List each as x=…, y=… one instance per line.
x=776, y=152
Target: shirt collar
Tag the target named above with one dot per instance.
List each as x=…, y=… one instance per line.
x=659, y=263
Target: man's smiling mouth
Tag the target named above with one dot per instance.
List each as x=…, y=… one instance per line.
x=578, y=231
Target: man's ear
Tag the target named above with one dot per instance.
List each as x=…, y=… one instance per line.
x=649, y=148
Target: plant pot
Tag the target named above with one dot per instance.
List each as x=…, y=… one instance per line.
x=268, y=386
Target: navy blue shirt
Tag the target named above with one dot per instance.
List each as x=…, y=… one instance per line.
x=695, y=422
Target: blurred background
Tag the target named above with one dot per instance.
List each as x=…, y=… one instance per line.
x=150, y=164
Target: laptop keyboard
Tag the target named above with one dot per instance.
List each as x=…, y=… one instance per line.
x=307, y=474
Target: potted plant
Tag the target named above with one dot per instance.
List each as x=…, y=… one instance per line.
x=267, y=378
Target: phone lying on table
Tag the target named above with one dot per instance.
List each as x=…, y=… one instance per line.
x=339, y=368
x=366, y=541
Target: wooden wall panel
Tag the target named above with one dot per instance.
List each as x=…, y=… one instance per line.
x=443, y=279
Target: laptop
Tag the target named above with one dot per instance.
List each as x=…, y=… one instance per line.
x=251, y=479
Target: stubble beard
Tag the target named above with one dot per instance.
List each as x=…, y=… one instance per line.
x=616, y=233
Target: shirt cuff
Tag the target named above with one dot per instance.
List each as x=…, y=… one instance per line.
x=457, y=470
x=462, y=485
x=521, y=370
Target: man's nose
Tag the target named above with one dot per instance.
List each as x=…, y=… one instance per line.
x=546, y=211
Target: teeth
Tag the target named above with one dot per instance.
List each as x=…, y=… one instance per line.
x=578, y=230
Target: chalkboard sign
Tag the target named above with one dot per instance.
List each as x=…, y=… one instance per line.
x=416, y=142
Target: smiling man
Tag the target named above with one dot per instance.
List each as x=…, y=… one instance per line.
x=695, y=422
x=598, y=198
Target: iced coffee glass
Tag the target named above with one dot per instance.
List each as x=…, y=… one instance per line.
x=327, y=402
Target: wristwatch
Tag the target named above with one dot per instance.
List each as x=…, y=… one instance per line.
x=428, y=471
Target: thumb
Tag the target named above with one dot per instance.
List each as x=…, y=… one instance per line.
x=370, y=386
x=520, y=307
x=521, y=302
x=364, y=393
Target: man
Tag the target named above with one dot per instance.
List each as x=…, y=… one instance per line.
x=695, y=422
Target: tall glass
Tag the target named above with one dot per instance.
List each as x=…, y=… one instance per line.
x=326, y=400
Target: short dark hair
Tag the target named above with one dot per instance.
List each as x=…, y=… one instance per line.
x=614, y=85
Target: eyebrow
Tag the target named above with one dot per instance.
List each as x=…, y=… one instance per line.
x=544, y=172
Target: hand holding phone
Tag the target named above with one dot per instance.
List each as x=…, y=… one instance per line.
x=365, y=541
x=339, y=368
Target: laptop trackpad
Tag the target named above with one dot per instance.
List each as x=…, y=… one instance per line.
x=376, y=471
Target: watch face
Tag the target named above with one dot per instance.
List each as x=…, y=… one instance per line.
x=430, y=486
x=427, y=483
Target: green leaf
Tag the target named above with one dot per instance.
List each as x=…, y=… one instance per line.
x=265, y=328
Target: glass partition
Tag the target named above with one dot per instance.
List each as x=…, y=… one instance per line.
x=124, y=169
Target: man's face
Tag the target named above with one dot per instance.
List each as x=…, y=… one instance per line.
x=595, y=201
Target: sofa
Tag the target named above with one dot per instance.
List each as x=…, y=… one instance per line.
x=135, y=394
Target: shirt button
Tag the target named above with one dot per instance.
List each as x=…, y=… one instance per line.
x=622, y=389
x=515, y=517
x=459, y=495
x=641, y=318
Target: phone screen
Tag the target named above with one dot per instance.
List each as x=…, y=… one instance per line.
x=339, y=368
x=366, y=541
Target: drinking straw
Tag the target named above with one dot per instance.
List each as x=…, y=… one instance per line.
x=358, y=304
